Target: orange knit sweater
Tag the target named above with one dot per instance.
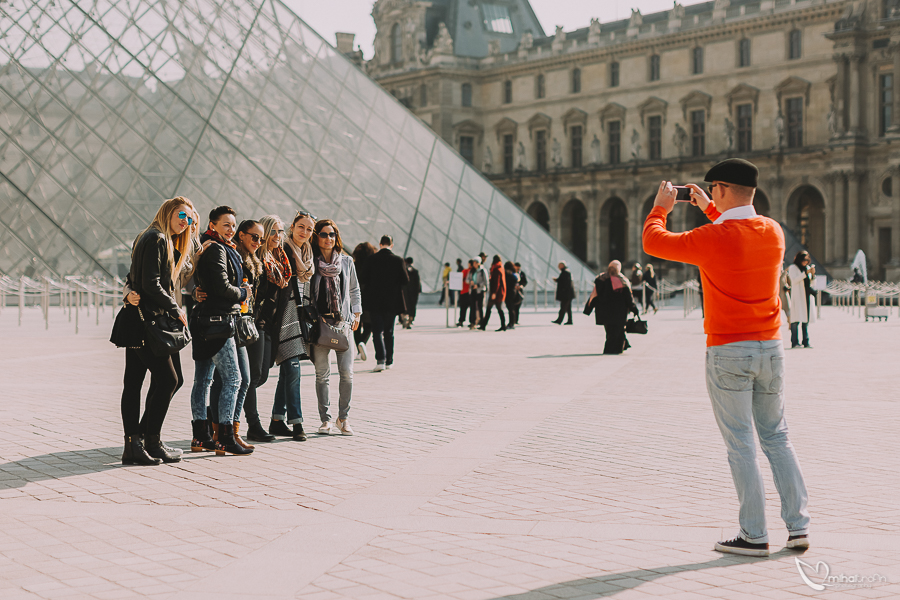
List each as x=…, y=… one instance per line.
x=740, y=263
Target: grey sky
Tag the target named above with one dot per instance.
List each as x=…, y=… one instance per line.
x=355, y=16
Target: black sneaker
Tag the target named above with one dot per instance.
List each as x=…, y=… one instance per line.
x=798, y=542
x=741, y=546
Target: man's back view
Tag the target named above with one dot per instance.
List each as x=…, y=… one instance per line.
x=385, y=276
x=740, y=256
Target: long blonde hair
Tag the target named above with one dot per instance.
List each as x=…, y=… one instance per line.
x=181, y=241
x=268, y=222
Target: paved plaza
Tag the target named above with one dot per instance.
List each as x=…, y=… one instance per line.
x=517, y=466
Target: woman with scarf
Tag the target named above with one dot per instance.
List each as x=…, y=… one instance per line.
x=220, y=275
x=294, y=261
x=497, y=293
x=801, y=275
x=336, y=294
x=612, y=300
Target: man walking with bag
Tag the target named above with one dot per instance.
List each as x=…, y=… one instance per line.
x=739, y=256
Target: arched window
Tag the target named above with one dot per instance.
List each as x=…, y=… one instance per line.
x=396, y=44
x=576, y=81
x=467, y=94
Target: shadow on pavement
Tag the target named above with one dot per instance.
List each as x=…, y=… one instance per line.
x=607, y=586
x=565, y=355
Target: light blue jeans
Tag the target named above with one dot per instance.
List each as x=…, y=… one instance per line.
x=746, y=385
x=320, y=358
x=232, y=365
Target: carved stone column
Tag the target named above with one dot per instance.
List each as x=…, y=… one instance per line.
x=853, y=183
x=839, y=222
x=593, y=228
x=840, y=93
x=895, y=212
x=831, y=216
x=855, y=96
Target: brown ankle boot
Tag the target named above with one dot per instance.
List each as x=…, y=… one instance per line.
x=239, y=439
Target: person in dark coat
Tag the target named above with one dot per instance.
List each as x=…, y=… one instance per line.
x=650, y=288
x=612, y=301
x=360, y=255
x=411, y=292
x=565, y=293
x=514, y=294
x=497, y=294
x=385, y=275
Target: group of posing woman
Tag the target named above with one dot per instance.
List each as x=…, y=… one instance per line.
x=256, y=269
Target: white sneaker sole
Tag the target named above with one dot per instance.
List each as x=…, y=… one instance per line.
x=361, y=351
x=742, y=551
x=801, y=543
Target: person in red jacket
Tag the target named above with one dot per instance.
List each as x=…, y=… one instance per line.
x=740, y=256
x=464, y=300
x=497, y=293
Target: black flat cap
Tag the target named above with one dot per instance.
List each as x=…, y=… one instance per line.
x=734, y=170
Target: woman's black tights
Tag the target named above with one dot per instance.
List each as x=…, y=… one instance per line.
x=165, y=380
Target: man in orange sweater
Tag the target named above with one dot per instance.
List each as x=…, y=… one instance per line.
x=740, y=255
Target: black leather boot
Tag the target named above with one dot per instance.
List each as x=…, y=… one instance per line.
x=157, y=449
x=256, y=433
x=202, y=439
x=227, y=444
x=135, y=454
x=279, y=428
x=299, y=434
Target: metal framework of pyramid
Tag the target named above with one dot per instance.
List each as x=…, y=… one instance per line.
x=108, y=108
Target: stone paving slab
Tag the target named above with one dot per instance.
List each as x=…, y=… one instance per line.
x=486, y=466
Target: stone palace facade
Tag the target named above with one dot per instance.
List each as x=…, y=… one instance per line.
x=580, y=127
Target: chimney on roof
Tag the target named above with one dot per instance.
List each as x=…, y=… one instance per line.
x=345, y=42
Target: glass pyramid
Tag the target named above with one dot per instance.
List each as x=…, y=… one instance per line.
x=109, y=107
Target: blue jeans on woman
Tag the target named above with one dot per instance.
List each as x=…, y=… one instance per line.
x=233, y=367
x=287, y=393
x=746, y=385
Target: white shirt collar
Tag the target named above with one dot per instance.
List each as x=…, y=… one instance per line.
x=736, y=214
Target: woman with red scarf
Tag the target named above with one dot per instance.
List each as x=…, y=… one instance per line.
x=220, y=274
x=497, y=292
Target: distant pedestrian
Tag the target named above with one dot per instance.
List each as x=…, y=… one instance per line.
x=411, y=292
x=613, y=301
x=637, y=284
x=464, y=296
x=802, y=274
x=385, y=277
x=523, y=279
x=565, y=293
x=361, y=336
x=497, y=293
x=336, y=295
x=740, y=256
x=445, y=284
x=514, y=294
x=650, y=288
x=478, y=283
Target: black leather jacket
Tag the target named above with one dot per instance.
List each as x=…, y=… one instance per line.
x=218, y=278
x=151, y=273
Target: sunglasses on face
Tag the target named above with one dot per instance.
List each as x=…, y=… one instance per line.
x=255, y=237
x=712, y=186
x=328, y=234
x=277, y=233
x=303, y=213
x=183, y=215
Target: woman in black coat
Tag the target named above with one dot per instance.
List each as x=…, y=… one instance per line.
x=156, y=264
x=612, y=300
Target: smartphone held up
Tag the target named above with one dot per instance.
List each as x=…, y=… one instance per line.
x=682, y=193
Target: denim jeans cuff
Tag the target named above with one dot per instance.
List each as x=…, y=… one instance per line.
x=278, y=417
x=763, y=539
x=295, y=421
x=804, y=531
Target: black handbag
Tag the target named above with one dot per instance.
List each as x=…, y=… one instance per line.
x=246, y=332
x=163, y=334
x=214, y=327
x=636, y=325
x=128, y=329
x=331, y=335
